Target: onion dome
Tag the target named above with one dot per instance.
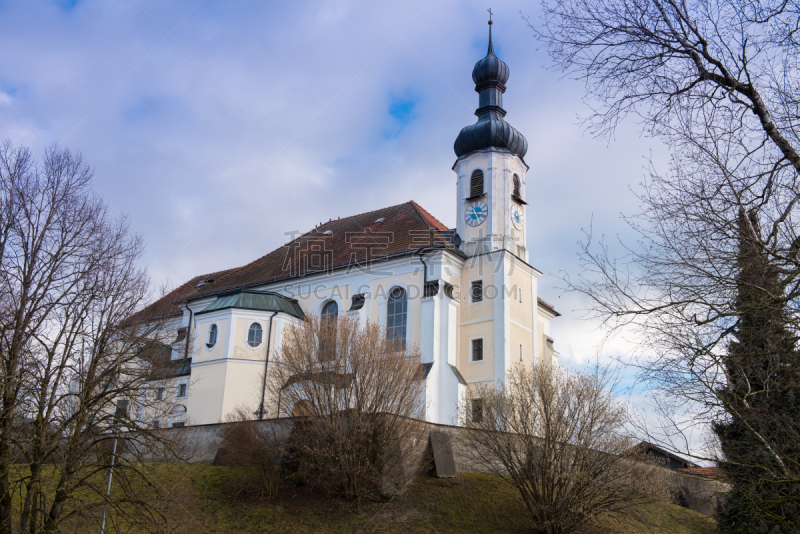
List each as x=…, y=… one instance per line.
x=490, y=69
x=491, y=131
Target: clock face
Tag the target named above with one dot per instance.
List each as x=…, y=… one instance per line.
x=516, y=217
x=476, y=213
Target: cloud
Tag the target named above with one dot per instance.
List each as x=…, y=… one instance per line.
x=217, y=127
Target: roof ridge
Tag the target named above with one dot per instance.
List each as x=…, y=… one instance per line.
x=425, y=214
x=436, y=232
x=311, y=232
x=358, y=215
x=419, y=210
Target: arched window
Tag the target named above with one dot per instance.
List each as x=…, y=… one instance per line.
x=476, y=184
x=302, y=408
x=254, y=335
x=328, y=330
x=516, y=187
x=178, y=416
x=212, y=336
x=397, y=317
x=330, y=311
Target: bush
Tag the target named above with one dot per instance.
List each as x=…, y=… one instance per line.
x=559, y=438
x=359, y=393
x=254, y=451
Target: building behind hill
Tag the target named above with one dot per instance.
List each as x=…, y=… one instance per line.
x=467, y=297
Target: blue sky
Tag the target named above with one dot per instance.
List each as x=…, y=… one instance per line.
x=218, y=127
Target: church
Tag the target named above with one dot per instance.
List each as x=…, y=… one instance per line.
x=466, y=296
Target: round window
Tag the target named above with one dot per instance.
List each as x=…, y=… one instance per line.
x=254, y=335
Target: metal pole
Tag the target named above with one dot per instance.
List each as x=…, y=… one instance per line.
x=108, y=484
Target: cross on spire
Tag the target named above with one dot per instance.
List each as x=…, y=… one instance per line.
x=491, y=46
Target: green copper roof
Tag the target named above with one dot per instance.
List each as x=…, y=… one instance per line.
x=256, y=300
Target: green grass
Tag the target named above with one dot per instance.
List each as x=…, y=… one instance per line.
x=206, y=503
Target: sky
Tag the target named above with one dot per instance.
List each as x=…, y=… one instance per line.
x=220, y=128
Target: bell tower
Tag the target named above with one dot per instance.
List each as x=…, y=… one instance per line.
x=491, y=169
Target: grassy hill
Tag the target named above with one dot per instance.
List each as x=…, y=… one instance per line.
x=206, y=503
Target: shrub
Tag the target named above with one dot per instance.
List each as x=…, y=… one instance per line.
x=359, y=393
x=559, y=438
x=254, y=450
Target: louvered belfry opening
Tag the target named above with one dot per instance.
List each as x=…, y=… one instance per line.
x=516, y=187
x=476, y=184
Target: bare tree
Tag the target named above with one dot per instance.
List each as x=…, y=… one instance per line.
x=73, y=363
x=360, y=392
x=559, y=438
x=718, y=83
x=691, y=69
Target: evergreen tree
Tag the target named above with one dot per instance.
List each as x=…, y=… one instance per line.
x=761, y=399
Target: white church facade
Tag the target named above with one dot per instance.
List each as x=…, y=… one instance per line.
x=467, y=297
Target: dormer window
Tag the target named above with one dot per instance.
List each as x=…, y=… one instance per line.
x=379, y=220
x=476, y=184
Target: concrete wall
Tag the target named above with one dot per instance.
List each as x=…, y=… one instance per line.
x=700, y=494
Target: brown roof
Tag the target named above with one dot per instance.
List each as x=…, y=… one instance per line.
x=380, y=234
x=547, y=305
x=709, y=472
x=172, y=303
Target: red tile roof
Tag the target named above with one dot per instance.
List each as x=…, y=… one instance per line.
x=547, y=305
x=172, y=303
x=708, y=472
x=393, y=231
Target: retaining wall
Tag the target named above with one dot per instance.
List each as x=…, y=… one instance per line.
x=700, y=494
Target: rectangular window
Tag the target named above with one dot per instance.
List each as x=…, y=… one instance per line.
x=477, y=410
x=155, y=423
x=181, y=390
x=159, y=394
x=520, y=352
x=519, y=292
x=476, y=290
x=397, y=318
x=477, y=350
x=122, y=408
